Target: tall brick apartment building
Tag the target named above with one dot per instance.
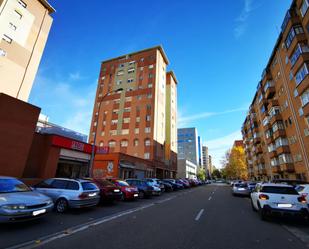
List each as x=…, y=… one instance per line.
x=275, y=131
x=139, y=120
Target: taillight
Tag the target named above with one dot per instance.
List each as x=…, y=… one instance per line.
x=302, y=199
x=304, y=194
x=263, y=197
x=83, y=196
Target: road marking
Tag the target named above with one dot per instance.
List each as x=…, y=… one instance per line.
x=209, y=198
x=304, y=237
x=199, y=215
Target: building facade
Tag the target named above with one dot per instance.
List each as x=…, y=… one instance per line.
x=186, y=169
x=135, y=109
x=24, y=28
x=200, y=151
x=188, y=144
x=206, y=160
x=276, y=129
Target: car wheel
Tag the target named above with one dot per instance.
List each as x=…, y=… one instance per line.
x=262, y=213
x=253, y=207
x=141, y=195
x=61, y=205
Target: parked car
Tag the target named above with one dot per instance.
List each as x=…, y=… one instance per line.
x=251, y=186
x=184, y=183
x=271, y=198
x=241, y=189
x=193, y=182
x=109, y=192
x=69, y=193
x=128, y=192
x=289, y=182
x=176, y=186
x=303, y=190
x=18, y=202
x=155, y=182
x=144, y=189
x=167, y=186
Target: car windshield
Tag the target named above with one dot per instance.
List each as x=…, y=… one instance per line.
x=89, y=186
x=12, y=185
x=279, y=190
x=241, y=185
x=299, y=188
x=123, y=183
x=104, y=182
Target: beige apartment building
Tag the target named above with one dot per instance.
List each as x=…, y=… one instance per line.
x=24, y=28
x=139, y=119
x=276, y=129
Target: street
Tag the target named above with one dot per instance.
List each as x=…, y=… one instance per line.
x=204, y=217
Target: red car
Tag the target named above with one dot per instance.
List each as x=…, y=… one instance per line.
x=109, y=192
x=128, y=192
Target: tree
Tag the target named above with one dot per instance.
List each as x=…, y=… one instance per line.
x=216, y=174
x=234, y=163
x=201, y=174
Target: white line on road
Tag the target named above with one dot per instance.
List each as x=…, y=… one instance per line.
x=209, y=198
x=199, y=215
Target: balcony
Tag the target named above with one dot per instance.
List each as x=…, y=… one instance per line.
x=306, y=110
x=283, y=149
x=266, y=75
x=273, y=154
x=275, y=118
x=287, y=167
x=303, y=86
x=270, y=140
x=276, y=169
x=289, y=19
x=273, y=103
x=297, y=39
x=269, y=89
x=279, y=133
x=303, y=58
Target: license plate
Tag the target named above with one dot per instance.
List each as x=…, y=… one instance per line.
x=282, y=205
x=135, y=195
x=35, y=213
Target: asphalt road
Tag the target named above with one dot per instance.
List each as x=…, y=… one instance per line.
x=203, y=217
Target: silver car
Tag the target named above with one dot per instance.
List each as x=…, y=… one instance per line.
x=70, y=193
x=18, y=202
x=241, y=189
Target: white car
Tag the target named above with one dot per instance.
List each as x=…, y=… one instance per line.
x=272, y=198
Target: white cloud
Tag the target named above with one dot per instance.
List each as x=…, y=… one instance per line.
x=241, y=20
x=184, y=121
x=217, y=147
x=66, y=103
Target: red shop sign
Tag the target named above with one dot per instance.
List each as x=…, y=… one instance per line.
x=68, y=143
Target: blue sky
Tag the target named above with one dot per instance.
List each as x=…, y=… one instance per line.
x=218, y=50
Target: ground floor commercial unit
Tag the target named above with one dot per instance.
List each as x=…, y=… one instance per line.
x=186, y=169
x=123, y=166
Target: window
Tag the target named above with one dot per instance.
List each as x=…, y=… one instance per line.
x=150, y=75
x=150, y=66
x=147, y=142
x=119, y=82
x=138, y=119
x=148, y=117
x=18, y=14
x=146, y=155
x=135, y=142
x=278, y=126
x=149, y=95
x=130, y=80
x=12, y=26
x=149, y=85
x=136, y=130
x=124, y=143
x=148, y=107
x=281, y=142
x=274, y=111
x=59, y=184
x=131, y=70
x=128, y=99
x=121, y=65
x=260, y=98
x=22, y=3
x=6, y=38
x=112, y=144
x=125, y=132
x=113, y=132
x=102, y=133
x=301, y=74
x=271, y=147
x=304, y=8
x=305, y=98
x=114, y=121
x=126, y=120
x=285, y=158
x=127, y=109
x=120, y=72
x=295, y=30
x=147, y=129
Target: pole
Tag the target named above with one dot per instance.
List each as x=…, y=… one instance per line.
x=96, y=129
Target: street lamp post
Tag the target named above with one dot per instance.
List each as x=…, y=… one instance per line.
x=96, y=129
